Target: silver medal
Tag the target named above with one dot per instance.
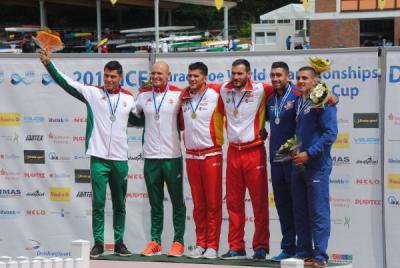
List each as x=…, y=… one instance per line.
x=157, y=116
x=112, y=118
x=277, y=120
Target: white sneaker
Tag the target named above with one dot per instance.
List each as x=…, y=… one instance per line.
x=196, y=253
x=210, y=254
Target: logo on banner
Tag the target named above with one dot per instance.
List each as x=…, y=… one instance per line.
x=57, y=139
x=8, y=156
x=33, y=119
x=34, y=138
x=394, y=181
x=55, y=156
x=35, y=246
x=78, y=139
x=339, y=202
x=58, y=120
x=366, y=120
x=139, y=157
x=342, y=141
x=34, y=175
x=345, y=222
x=34, y=157
x=364, y=181
x=47, y=79
x=341, y=257
x=36, y=193
x=135, y=139
x=1, y=77
x=369, y=162
x=394, y=160
x=136, y=195
x=36, y=212
x=8, y=213
x=59, y=175
x=10, y=119
x=10, y=193
x=368, y=202
x=343, y=121
x=84, y=194
x=26, y=78
x=340, y=160
x=394, y=119
x=9, y=175
x=340, y=180
x=60, y=194
x=80, y=157
x=80, y=119
x=82, y=176
x=392, y=200
x=363, y=140
x=138, y=176
x=61, y=212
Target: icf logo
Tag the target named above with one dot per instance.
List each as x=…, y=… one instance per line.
x=392, y=200
x=26, y=78
x=34, y=245
x=47, y=79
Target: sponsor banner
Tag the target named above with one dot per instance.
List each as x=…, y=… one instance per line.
x=366, y=120
x=66, y=197
x=34, y=157
x=392, y=157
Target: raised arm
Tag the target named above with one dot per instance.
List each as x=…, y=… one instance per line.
x=70, y=86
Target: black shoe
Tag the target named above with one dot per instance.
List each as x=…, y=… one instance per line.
x=234, y=255
x=121, y=250
x=260, y=254
x=97, y=250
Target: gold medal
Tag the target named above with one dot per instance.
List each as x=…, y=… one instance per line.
x=235, y=112
x=194, y=115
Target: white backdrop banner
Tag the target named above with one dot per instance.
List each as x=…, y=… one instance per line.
x=392, y=158
x=45, y=182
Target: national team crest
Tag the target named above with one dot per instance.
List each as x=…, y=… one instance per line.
x=289, y=105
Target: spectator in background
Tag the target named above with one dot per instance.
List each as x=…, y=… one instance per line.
x=28, y=45
x=288, y=42
x=88, y=46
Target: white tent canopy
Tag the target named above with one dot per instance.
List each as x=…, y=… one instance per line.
x=291, y=11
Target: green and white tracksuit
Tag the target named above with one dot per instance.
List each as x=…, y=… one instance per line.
x=107, y=144
x=163, y=157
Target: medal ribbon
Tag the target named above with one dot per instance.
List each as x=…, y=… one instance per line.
x=302, y=106
x=162, y=100
x=240, y=101
x=279, y=109
x=112, y=109
x=197, y=106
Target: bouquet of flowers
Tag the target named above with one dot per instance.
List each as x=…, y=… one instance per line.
x=287, y=150
x=320, y=94
x=320, y=64
x=48, y=40
x=145, y=84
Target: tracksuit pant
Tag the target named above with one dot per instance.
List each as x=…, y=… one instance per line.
x=115, y=173
x=247, y=168
x=156, y=173
x=310, y=193
x=205, y=178
x=281, y=175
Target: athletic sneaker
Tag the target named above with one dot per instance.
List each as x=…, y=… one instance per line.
x=260, y=254
x=234, y=255
x=97, y=250
x=308, y=261
x=320, y=264
x=282, y=256
x=197, y=252
x=121, y=250
x=176, y=250
x=210, y=254
x=152, y=249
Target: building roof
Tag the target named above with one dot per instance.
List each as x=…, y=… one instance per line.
x=145, y=3
x=291, y=11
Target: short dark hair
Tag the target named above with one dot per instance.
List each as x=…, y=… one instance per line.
x=245, y=62
x=309, y=69
x=199, y=66
x=114, y=65
x=280, y=64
